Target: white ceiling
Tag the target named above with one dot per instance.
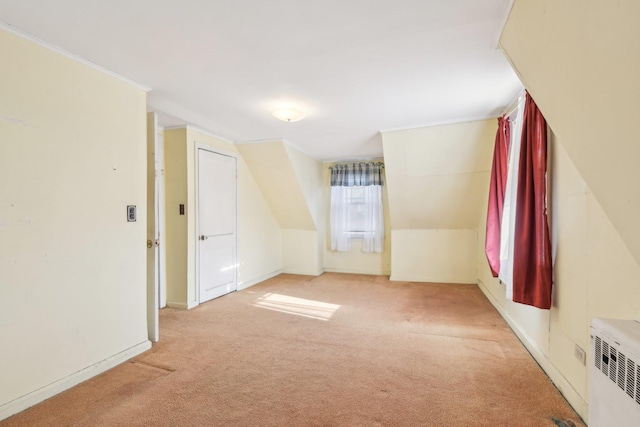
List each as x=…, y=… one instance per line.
x=356, y=67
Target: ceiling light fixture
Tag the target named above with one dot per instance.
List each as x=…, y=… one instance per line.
x=288, y=114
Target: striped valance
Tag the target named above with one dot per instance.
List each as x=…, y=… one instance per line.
x=356, y=174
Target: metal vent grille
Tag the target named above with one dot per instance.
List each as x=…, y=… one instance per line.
x=605, y=358
x=618, y=367
x=622, y=370
x=613, y=364
x=638, y=384
x=631, y=377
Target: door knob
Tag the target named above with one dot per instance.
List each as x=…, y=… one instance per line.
x=203, y=237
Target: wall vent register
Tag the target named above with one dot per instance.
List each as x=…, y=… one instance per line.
x=614, y=389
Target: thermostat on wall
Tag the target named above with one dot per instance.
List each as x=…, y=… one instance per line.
x=131, y=213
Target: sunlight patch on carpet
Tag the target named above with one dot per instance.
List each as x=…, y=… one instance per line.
x=299, y=306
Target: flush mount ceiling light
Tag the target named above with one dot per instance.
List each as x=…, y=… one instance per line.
x=288, y=114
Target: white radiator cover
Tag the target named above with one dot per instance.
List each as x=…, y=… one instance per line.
x=614, y=384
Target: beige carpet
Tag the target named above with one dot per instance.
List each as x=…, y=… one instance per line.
x=334, y=350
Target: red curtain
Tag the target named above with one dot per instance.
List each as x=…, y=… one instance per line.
x=496, y=195
x=532, y=269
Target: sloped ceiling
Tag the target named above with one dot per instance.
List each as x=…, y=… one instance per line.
x=355, y=67
x=580, y=62
x=272, y=169
x=437, y=176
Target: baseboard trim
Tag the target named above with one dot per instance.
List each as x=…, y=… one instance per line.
x=41, y=394
x=431, y=280
x=347, y=271
x=304, y=272
x=249, y=283
x=182, y=305
x=556, y=377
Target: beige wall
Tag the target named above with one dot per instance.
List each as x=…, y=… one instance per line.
x=291, y=182
x=272, y=168
x=356, y=261
x=595, y=275
x=308, y=172
x=300, y=254
x=445, y=256
x=310, y=178
x=297, y=188
x=72, y=269
x=259, y=235
x=435, y=179
x=436, y=174
x=176, y=193
x=579, y=61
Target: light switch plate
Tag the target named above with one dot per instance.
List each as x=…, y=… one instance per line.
x=580, y=354
x=131, y=213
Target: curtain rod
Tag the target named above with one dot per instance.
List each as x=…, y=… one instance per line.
x=357, y=163
x=514, y=105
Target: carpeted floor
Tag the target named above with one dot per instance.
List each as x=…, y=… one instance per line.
x=334, y=350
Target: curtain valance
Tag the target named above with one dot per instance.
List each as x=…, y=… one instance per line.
x=356, y=174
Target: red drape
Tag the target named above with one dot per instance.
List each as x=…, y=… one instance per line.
x=496, y=195
x=532, y=274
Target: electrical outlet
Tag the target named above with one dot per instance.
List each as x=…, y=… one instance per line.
x=580, y=354
x=131, y=213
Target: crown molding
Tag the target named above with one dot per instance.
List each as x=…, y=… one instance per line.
x=22, y=34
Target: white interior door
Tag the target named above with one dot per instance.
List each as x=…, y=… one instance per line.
x=217, y=264
x=152, y=232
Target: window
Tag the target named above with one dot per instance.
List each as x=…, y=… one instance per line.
x=356, y=206
x=357, y=223
x=510, y=199
x=525, y=248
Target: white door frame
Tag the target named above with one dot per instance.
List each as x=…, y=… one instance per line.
x=161, y=218
x=152, y=231
x=205, y=147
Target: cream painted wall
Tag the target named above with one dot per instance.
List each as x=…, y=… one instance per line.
x=260, y=240
x=291, y=182
x=445, y=256
x=310, y=178
x=356, y=261
x=259, y=235
x=176, y=190
x=272, y=168
x=436, y=174
x=595, y=275
x=309, y=172
x=72, y=269
x=436, y=178
x=300, y=252
x=579, y=60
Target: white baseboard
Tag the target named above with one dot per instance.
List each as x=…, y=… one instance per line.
x=41, y=394
x=249, y=283
x=561, y=383
x=241, y=286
